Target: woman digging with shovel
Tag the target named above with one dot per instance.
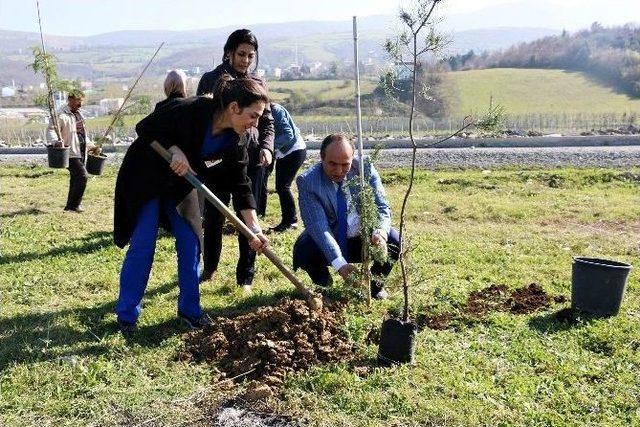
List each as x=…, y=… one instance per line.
x=200, y=133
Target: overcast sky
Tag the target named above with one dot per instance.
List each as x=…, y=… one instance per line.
x=88, y=17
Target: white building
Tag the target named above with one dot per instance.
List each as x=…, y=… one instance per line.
x=7, y=91
x=110, y=104
x=315, y=67
x=277, y=72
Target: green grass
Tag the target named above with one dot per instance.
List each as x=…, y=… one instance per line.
x=524, y=91
x=63, y=363
x=324, y=90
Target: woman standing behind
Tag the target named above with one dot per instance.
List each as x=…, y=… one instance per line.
x=291, y=152
x=175, y=87
x=150, y=193
x=240, y=53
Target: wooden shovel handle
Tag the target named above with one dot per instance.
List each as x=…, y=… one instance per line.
x=240, y=226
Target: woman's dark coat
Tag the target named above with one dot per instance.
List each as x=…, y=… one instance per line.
x=144, y=175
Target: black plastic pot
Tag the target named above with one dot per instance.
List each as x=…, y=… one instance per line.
x=397, y=342
x=95, y=164
x=58, y=157
x=597, y=285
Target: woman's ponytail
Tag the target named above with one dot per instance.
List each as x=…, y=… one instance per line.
x=244, y=91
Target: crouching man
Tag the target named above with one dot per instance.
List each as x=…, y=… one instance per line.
x=332, y=229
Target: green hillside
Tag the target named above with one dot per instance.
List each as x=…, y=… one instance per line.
x=323, y=90
x=528, y=91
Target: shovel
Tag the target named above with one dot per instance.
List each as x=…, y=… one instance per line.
x=313, y=300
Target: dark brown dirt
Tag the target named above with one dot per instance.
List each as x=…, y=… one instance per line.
x=481, y=302
x=271, y=342
x=438, y=322
x=528, y=299
x=525, y=300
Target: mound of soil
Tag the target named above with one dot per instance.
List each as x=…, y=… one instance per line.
x=267, y=344
x=525, y=300
x=438, y=322
x=481, y=302
x=528, y=299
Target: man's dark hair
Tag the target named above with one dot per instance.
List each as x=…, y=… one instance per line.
x=75, y=94
x=238, y=37
x=334, y=137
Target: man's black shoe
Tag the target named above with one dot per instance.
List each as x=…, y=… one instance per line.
x=378, y=291
x=127, y=328
x=282, y=227
x=78, y=209
x=381, y=294
x=195, y=322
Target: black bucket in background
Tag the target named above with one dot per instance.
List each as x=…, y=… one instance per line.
x=58, y=157
x=397, y=342
x=597, y=285
x=95, y=164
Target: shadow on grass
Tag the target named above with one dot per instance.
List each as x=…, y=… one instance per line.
x=92, y=242
x=561, y=320
x=21, y=212
x=50, y=336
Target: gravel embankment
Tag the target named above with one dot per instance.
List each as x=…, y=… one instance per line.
x=486, y=158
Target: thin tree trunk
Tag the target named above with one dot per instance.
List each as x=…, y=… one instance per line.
x=50, y=101
x=405, y=278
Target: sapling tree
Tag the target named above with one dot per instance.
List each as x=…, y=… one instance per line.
x=417, y=40
x=363, y=202
x=117, y=122
x=45, y=63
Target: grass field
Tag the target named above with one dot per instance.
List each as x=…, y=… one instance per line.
x=324, y=90
x=63, y=363
x=523, y=91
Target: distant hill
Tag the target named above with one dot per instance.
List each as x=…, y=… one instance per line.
x=120, y=54
x=524, y=92
x=610, y=54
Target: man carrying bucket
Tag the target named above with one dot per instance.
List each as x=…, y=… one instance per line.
x=74, y=136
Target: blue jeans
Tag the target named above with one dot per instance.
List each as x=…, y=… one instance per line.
x=137, y=263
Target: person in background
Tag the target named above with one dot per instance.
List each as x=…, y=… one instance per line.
x=73, y=134
x=240, y=53
x=291, y=152
x=332, y=230
x=175, y=87
x=150, y=193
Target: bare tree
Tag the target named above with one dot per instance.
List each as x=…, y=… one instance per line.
x=418, y=38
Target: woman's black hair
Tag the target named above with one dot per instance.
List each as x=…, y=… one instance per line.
x=237, y=38
x=243, y=91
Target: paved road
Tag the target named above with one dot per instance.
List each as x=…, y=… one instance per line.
x=433, y=158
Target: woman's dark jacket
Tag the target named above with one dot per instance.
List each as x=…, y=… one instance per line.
x=144, y=175
x=265, y=123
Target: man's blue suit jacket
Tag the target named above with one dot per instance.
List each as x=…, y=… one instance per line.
x=317, y=201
